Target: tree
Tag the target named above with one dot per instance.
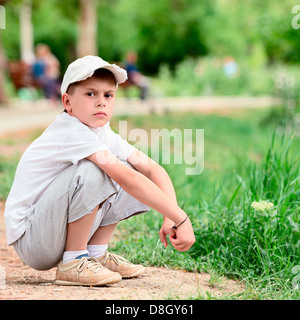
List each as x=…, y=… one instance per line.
x=26, y=32
x=87, y=28
x=3, y=95
x=166, y=31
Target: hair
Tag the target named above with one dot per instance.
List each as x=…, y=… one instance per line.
x=101, y=74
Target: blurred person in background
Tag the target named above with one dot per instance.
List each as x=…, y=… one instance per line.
x=230, y=67
x=46, y=72
x=135, y=77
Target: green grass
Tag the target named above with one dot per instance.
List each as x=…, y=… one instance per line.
x=7, y=172
x=245, y=161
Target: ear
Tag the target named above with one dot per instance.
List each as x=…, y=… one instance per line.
x=66, y=102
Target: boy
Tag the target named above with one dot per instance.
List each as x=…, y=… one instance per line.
x=79, y=179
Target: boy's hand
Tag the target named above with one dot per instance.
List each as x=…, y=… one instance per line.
x=166, y=229
x=181, y=239
x=184, y=237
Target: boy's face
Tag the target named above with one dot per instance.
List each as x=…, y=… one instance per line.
x=92, y=102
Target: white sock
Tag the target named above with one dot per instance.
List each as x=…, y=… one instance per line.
x=69, y=256
x=96, y=250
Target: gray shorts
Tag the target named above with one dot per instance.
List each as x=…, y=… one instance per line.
x=75, y=193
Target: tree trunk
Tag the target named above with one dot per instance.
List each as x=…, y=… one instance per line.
x=87, y=42
x=26, y=32
x=3, y=64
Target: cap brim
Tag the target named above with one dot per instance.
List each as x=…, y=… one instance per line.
x=120, y=74
x=83, y=68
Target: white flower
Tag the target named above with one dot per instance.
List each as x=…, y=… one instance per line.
x=262, y=205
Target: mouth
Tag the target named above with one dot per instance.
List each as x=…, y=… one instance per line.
x=100, y=114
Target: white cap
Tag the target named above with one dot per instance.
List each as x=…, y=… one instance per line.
x=85, y=67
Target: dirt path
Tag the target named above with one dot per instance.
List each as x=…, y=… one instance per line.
x=18, y=281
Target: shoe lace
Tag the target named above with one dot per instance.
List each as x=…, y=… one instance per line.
x=116, y=258
x=89, y=263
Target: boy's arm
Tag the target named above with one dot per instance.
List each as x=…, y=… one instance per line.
x=143, y=189
x=160, y=177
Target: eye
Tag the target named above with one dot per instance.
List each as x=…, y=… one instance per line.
x=108, y=95
x=90, y=94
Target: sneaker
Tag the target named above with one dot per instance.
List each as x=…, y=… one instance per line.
x=120, y=265
x=85, y=272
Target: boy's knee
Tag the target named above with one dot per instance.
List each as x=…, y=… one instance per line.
x=91, y=181
x=44, y=260
x=89, y=172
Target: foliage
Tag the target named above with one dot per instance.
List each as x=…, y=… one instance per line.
x=261, y=248
x=165, y=32
x=240, y=240
x=206, y=76
x=7, y=173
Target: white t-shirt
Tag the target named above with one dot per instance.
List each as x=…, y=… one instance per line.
x=64, y=143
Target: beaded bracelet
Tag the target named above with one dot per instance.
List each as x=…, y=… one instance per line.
x=175, y=227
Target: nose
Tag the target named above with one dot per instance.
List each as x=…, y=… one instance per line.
x=101, y=102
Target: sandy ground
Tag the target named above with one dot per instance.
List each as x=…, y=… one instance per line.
x=20, y=282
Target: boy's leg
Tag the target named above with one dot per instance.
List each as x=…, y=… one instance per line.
x=78, y=232
x=103, y=235
x=98, y=244
x=97, y=248
x=76, y=268
x=72, y=196
x=119, y=207
x=77, y=237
